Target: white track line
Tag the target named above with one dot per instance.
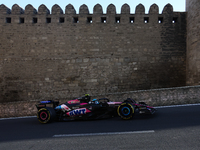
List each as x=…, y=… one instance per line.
x=106, y=133
x=171, y=106
x=185, y=105
x=18, y=118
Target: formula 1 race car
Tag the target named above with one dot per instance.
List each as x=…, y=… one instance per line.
x=84, y=108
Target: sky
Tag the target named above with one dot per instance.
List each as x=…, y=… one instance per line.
x=178, y=5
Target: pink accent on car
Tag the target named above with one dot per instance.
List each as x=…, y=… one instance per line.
x=73, y=101
x=143, y=105
x=149, y=107
x=88, y=111
x=83, y=103
x=43, y=115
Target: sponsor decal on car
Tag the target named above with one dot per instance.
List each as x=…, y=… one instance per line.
x=44, y=102
x=75, y=107
x=63, y=107
x=143, y=108
x=77, y=112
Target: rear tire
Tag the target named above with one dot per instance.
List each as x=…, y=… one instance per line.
x=46, y=115
x=125, y=111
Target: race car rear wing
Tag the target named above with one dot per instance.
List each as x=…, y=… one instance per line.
x=48, y=103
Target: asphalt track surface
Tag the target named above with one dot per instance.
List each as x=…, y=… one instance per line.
x=170, y=128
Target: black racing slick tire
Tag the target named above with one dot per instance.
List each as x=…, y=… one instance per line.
x=125, y=111
x=46, y=115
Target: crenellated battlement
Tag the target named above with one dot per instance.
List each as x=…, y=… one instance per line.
x=57, y=15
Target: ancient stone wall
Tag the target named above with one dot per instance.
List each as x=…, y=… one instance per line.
x=193, y=42
x=55, y=54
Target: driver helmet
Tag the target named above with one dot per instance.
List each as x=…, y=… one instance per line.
x=87, y=98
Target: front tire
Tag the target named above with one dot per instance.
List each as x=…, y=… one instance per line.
x=125, y=111
x=46, y=115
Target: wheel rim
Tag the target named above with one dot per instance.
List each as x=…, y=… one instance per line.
x=43, y=115
x=126, y=111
